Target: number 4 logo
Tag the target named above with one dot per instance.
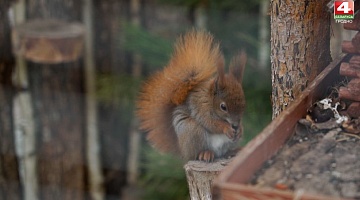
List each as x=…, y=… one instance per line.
x=345, y=7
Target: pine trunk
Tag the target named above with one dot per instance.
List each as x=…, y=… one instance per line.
x=300, y=35
x=58, y=100
x=110, y=62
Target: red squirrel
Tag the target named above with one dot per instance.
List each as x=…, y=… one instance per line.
x=192, y=107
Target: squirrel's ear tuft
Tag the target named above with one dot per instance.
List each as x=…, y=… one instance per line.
x=220, y=78
x=237, y=65
x=220, y=62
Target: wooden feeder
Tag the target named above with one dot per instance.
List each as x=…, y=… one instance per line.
x=233, y=182
x=48, y=41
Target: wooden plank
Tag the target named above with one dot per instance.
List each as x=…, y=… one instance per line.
x=272, y=138
x=230, y=191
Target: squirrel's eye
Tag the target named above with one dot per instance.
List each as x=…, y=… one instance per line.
x=223, y=107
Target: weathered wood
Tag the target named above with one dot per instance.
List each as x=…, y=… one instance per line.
x=355, y=61
x=351, y=91
x=348, y=47
x=354, y=109
x=298, y=54
x=48, y=41
x=356, y=41
x=57, y=92
x=346, y=93
x=354, y=85
x=232, y=182
x=346, y=70
x=200, y=176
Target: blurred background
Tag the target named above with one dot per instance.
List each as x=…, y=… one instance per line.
x=72, y=133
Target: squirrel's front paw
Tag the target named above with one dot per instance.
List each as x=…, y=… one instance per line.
x=207, y=156
x=230, y=133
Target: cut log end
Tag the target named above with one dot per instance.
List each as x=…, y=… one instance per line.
x=346, y=93
x=348, y=47
x=200, y=176
x=347, y=70
x=354, y=110
x=48, y=41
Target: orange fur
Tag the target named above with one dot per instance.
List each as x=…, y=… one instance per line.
x=194, y=61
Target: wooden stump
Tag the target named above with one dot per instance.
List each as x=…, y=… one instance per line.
x=48, y=41
x=56, y=85
x=200, y=176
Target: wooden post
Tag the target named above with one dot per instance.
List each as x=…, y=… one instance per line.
x=110, y=62
x=200, y=176
x=56, y=85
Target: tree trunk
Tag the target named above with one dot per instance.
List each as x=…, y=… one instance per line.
x=10, y=187
x=110, y=62
x=57, y=92
x=58, y=109
x=300, y=35
x=134, y=136
x=93, y=153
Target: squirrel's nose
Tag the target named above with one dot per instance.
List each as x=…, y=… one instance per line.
x=235, y=127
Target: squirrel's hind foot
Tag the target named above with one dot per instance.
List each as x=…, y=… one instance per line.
x=207, y=156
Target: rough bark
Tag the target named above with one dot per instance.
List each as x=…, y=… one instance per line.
x=300, y=35
x=9, y=175
x=68, y=10
x=347, y=70
x=110, y=61
x=57, y=94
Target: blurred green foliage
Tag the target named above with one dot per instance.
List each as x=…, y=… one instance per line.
x=237, y=5
x=155, y=50
x=164, y=177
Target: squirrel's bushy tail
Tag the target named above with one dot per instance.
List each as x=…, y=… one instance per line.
x=194, y=60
